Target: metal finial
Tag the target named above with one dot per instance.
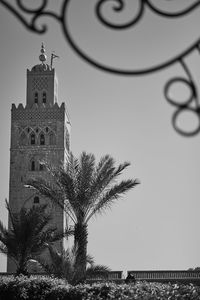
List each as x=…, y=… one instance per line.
x=42, y=56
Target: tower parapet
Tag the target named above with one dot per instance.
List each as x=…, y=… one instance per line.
x=42, y=112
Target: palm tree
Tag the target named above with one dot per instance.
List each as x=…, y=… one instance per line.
x=84, y=189
x=27, y=236
x=62, y=265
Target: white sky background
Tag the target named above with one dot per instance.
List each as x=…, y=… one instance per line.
x=156, y=225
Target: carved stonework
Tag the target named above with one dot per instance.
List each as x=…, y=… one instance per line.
x=39, y=83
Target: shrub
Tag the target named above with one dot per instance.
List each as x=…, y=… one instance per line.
x=142, y=290
x=48, y=288
x=30, y=288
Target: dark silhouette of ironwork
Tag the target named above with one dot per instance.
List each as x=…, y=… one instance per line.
x=191, y=105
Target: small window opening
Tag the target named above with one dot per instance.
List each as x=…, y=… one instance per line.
x=44, y=97
x=36, y=200
x=33, y=165
x=36, y=97
x=32, y=139
x=47, y=129
x=42, y=139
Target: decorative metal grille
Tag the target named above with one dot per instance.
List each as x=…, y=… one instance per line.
x=191, y=105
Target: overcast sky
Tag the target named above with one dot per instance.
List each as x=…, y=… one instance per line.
x=156, y=225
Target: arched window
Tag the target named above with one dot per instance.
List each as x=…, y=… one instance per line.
x=44, y=97
x=32, y=138
x=36, y=97
x=32, y=165
x=52, y=139
x=23, y=139
x=36, y=200
x=42, y=139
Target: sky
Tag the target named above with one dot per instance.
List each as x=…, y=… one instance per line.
x=156, y=225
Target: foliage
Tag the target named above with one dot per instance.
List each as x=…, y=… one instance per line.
x=43, y=288
x=142, y=290
x=194, y=269
x=84, y=189
x=62, y=264
x=28, y=235
x=23, y=287
x=95, y=270
x=59, y=264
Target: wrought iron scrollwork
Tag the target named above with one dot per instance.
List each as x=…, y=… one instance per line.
x=118, y=6
x=36, y=13
x=190, y=105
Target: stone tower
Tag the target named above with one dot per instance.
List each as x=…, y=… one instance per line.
x=40, y=131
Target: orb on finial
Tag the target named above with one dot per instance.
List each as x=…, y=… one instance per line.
x=42, y=56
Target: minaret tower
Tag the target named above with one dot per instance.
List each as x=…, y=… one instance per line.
x=40, y=131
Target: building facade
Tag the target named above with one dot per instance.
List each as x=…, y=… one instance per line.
x=40, y=131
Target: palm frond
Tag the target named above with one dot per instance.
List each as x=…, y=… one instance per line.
x=3, y=232
x=45, y=265
x=9, y=243
x=68, y=177
x=44, y=238
x=102, y=177
x=61, y=264
x=85, y=175
x=90, y=259
x=121, y=168
x=14, y=219
x=65, y=179
x=70, y=189
x=105, y=176
x=69, y=231
x=96, y=270
x=32, y=224
x=111, y=195
x=3, y=248
x=47, y=189
x=54, y=192
x=28, y=235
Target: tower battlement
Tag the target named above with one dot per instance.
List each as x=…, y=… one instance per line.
x=39, y=112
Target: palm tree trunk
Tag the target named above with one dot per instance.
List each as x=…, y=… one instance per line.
x=22, y=268
x=80, y=242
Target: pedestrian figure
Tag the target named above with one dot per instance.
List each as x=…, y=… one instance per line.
x=130, y=278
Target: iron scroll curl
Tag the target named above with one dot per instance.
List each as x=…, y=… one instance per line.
x=189, y=105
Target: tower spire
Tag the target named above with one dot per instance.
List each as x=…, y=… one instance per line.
x=42, y=56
